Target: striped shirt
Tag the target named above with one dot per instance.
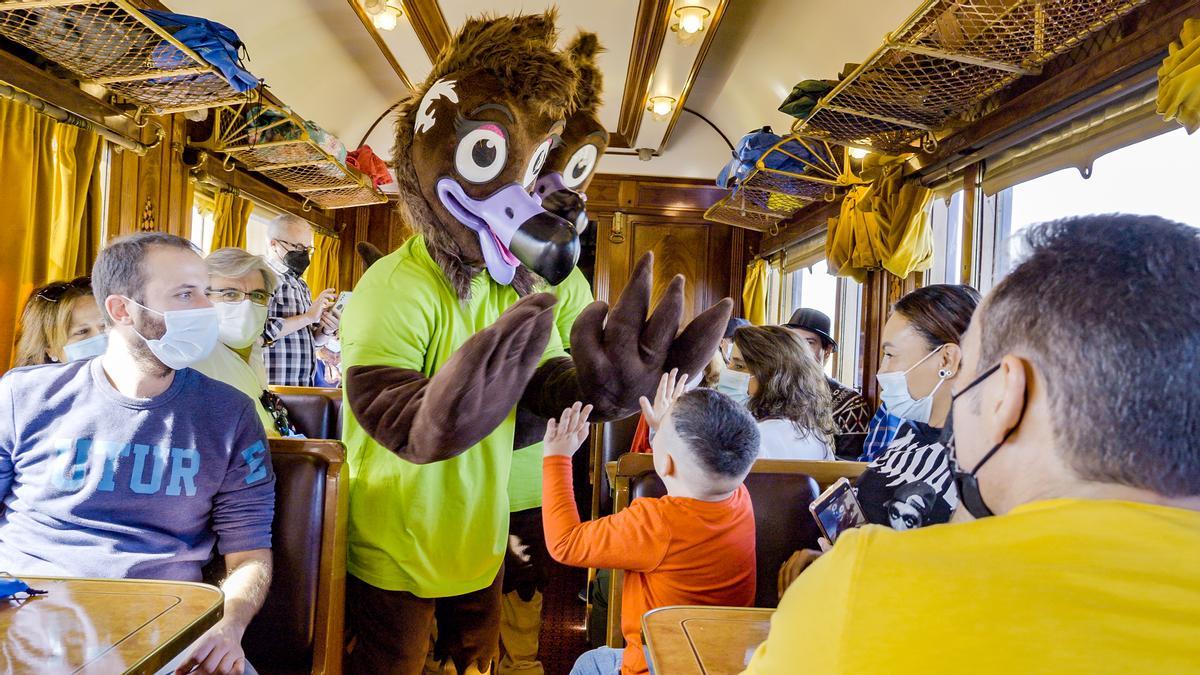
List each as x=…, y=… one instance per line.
x=880, y=434
x=291, y=359
x=912, y=484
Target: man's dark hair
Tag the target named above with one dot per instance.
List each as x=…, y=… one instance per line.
x=1106, y=307
x=939, y=313
x=718, y=430
x=118, y=269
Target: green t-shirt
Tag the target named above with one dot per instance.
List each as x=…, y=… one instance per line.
x=525, y=479
x=440, y=529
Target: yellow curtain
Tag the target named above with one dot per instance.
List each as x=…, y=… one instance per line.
x=324, y=270
x=50, y=198
x=230, y=215
x=1179, y=79
x=754, y=295
x=882, y=224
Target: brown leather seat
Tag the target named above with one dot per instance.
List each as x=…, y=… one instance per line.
x=314, y=411
x=615, y=439
x=300, y=627
x=781, y=491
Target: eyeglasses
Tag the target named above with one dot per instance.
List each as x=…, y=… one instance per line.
x=292, y=246
x=232, y=295
x=55, y=291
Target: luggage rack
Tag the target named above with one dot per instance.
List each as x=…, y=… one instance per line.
x=112, y=43
x=946, y=59
x=297, y=161
x=769, y=195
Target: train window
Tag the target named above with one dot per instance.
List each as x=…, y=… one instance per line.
x=1155, y=176
x=203, y=220
x=946, y=221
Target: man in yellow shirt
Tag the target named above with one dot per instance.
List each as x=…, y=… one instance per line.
x=1077, y=423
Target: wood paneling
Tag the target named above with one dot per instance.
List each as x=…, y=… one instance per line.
x=649, y=31
x=379, y=224
x=636, y=215
x=151, y=192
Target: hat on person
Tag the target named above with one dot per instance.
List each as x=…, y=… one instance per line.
x=813, y=321
x=734, y=324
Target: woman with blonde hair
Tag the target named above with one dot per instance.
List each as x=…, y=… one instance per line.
x=240, y=285
x=61, y=322
x=772, y=370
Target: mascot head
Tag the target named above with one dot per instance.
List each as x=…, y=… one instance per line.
x=471, y=143
x=572, y=163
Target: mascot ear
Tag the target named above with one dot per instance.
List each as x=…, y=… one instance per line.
x=583, y=50
x=369, y=253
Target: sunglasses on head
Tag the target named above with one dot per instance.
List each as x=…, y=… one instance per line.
x=55, y=291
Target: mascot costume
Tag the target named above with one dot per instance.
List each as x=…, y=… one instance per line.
x=560, y=188
x=446, y=338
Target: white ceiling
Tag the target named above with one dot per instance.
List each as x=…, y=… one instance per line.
x=317, y=57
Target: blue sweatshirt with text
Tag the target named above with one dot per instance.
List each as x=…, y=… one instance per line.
x=97, y=484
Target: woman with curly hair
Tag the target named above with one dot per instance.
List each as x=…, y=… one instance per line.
x=773, y=371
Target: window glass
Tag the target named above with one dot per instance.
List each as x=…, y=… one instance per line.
x=1154, y=177
x=946, y=221
x=203, y=220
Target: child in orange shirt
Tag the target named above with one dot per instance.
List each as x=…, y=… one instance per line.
x=693, y=547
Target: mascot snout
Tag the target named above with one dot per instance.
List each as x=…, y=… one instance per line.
x=514, y=229
x=562, y=201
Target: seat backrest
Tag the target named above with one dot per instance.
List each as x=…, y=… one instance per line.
x=781, y=491
x=299, y=628
x=314, y=411
x=615, y=440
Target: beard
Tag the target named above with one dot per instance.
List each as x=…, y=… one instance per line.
x=149, y=327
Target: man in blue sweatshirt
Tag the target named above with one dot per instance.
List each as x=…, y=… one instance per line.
x=134, y=465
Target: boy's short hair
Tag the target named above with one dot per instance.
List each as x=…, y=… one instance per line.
x=721, y=432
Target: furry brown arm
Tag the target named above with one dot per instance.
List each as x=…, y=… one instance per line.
x=619, y=356
x=427, y=420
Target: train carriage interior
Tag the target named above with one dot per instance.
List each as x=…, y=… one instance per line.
x=621, y=336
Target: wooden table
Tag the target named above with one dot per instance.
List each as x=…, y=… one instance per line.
x=703, y=640
x=104, y=625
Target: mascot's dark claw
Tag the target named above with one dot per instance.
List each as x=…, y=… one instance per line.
x=621, y=354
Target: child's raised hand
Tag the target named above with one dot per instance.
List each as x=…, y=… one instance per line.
x=566, y=434
x=670, y=387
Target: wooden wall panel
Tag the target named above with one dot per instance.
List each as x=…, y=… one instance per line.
x=379, y=225
x=154, y=191
x=675, y=247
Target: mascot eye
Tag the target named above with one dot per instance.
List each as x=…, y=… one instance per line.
x=580, y=166
x=481, y=154
x=536, y=163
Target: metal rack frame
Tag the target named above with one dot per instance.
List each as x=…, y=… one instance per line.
x=112, y=43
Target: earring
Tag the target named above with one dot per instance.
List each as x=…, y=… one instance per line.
x=943, y=373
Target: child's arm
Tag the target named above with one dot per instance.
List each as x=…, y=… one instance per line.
x=634, y=539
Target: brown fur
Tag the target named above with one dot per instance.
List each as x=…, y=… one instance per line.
x=583, y=50
x=518, y=52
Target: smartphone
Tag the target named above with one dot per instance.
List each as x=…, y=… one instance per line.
x=837, y=510
x=340, y=305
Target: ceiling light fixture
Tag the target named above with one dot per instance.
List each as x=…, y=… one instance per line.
x=661, y=106
x=859, y=153
x=384, y=13
x=690, y=21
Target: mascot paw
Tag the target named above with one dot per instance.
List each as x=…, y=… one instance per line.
x=479, y=386
x=621, y=354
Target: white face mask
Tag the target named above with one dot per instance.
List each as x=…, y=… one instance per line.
x=240, y=323
x=334, y=345
x=735, y=384
x=893, y=393
x=190, y=336
x=86, y=349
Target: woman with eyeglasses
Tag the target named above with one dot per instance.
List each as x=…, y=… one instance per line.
x=61, y=322
x=240, y=285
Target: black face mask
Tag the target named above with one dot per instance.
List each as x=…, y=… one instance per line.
x=296, y=261
x=965, y=481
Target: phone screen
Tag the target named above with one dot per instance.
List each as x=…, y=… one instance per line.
x=837, y=510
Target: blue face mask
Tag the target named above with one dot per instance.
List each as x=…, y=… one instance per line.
x=86, y=349
x=735, y=384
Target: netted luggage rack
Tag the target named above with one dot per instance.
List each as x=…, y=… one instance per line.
x=770, y=194
x=110, y=42
x=273, y=141
x=944, y=60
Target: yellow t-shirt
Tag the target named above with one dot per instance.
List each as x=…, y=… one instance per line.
x=248, y=377
x=1058, y=586
x=525, y=479
x=440, y=529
